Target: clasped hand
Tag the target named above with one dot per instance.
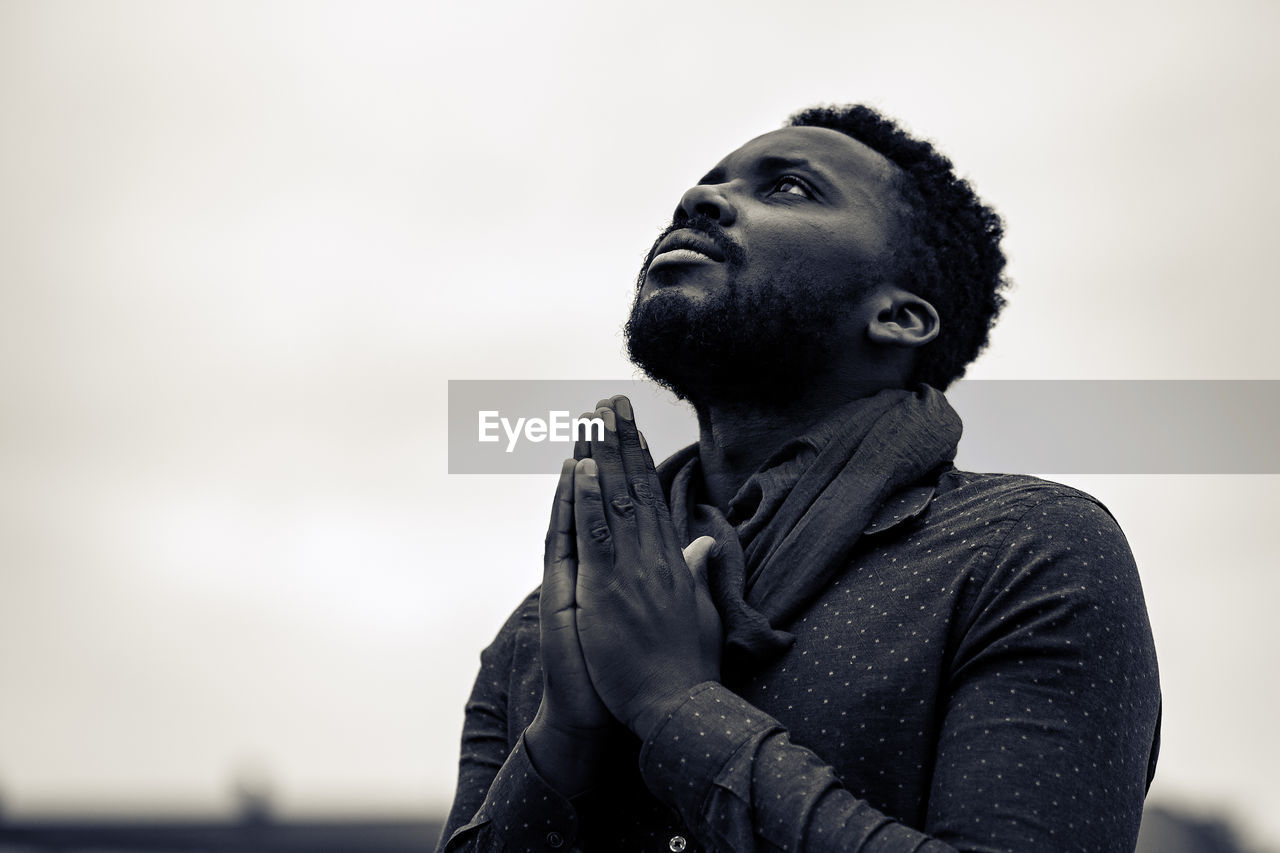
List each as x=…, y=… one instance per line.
x=628, y=625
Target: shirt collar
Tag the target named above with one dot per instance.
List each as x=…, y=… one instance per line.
x=781, y=471
x=901, y=507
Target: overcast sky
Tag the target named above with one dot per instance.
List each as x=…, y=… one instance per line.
x=244, y=245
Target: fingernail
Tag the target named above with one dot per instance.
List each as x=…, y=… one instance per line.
x=644, y=445
x=609, y=422
x=587, y=466
x=624, y=408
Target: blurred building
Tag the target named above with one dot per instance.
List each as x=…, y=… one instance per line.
x=1167, y=830
x=1164, y=830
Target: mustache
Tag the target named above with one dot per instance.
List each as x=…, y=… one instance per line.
x=702, y=224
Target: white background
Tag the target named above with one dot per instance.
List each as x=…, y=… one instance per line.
x=244, y=245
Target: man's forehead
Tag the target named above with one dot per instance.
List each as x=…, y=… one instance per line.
x=839, y=153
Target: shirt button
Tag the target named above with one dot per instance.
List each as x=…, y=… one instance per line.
x=677, y=844
x=555, y=839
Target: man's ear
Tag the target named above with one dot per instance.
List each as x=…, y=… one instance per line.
x=900, y=318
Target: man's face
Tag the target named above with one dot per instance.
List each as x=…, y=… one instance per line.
x=748, y=291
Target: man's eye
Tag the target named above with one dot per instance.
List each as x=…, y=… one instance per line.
x=792, y=185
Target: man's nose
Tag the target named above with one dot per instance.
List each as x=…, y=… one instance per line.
x=707, y=200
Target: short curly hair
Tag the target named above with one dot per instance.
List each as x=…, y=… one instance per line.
x=949, y=246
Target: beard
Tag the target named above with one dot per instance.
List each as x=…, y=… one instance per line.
x=748, y=344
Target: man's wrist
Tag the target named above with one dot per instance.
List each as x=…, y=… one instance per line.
x=568, y=760
x=649, y=719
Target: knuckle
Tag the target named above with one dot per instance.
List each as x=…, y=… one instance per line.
x=623, y=506
x=599, y=533
x=643, y=494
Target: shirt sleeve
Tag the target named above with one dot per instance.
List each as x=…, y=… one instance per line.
x=501, y=802
x=1049, y=722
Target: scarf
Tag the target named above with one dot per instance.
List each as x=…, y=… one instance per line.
x=794, y=523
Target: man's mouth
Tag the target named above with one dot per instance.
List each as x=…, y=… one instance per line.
x=686, y=247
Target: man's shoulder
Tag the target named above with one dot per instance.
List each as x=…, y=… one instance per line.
x=967, y=501
x=993, y=511
x=1009, y=514
x=998, y=496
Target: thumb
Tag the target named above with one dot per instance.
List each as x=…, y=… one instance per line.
x=696, y=554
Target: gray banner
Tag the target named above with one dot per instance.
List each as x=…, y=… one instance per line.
x=1024, y=426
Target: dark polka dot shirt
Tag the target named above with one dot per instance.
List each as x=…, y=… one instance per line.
x=980, y=678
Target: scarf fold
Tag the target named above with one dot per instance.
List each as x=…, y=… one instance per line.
x=794, y=523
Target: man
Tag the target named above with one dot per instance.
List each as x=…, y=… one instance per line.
x=859, y=648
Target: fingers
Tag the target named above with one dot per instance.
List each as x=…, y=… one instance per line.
x=651, y=477
x=595, y=540
x=697, y=554
x=642, y=473
x=560, y=561
x=628, y=478
x=632, y=452
x=624, y=452
x=559, y=544
x=582, y=438
x=613, y=479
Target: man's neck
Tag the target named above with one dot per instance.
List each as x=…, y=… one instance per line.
x=736, y=439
